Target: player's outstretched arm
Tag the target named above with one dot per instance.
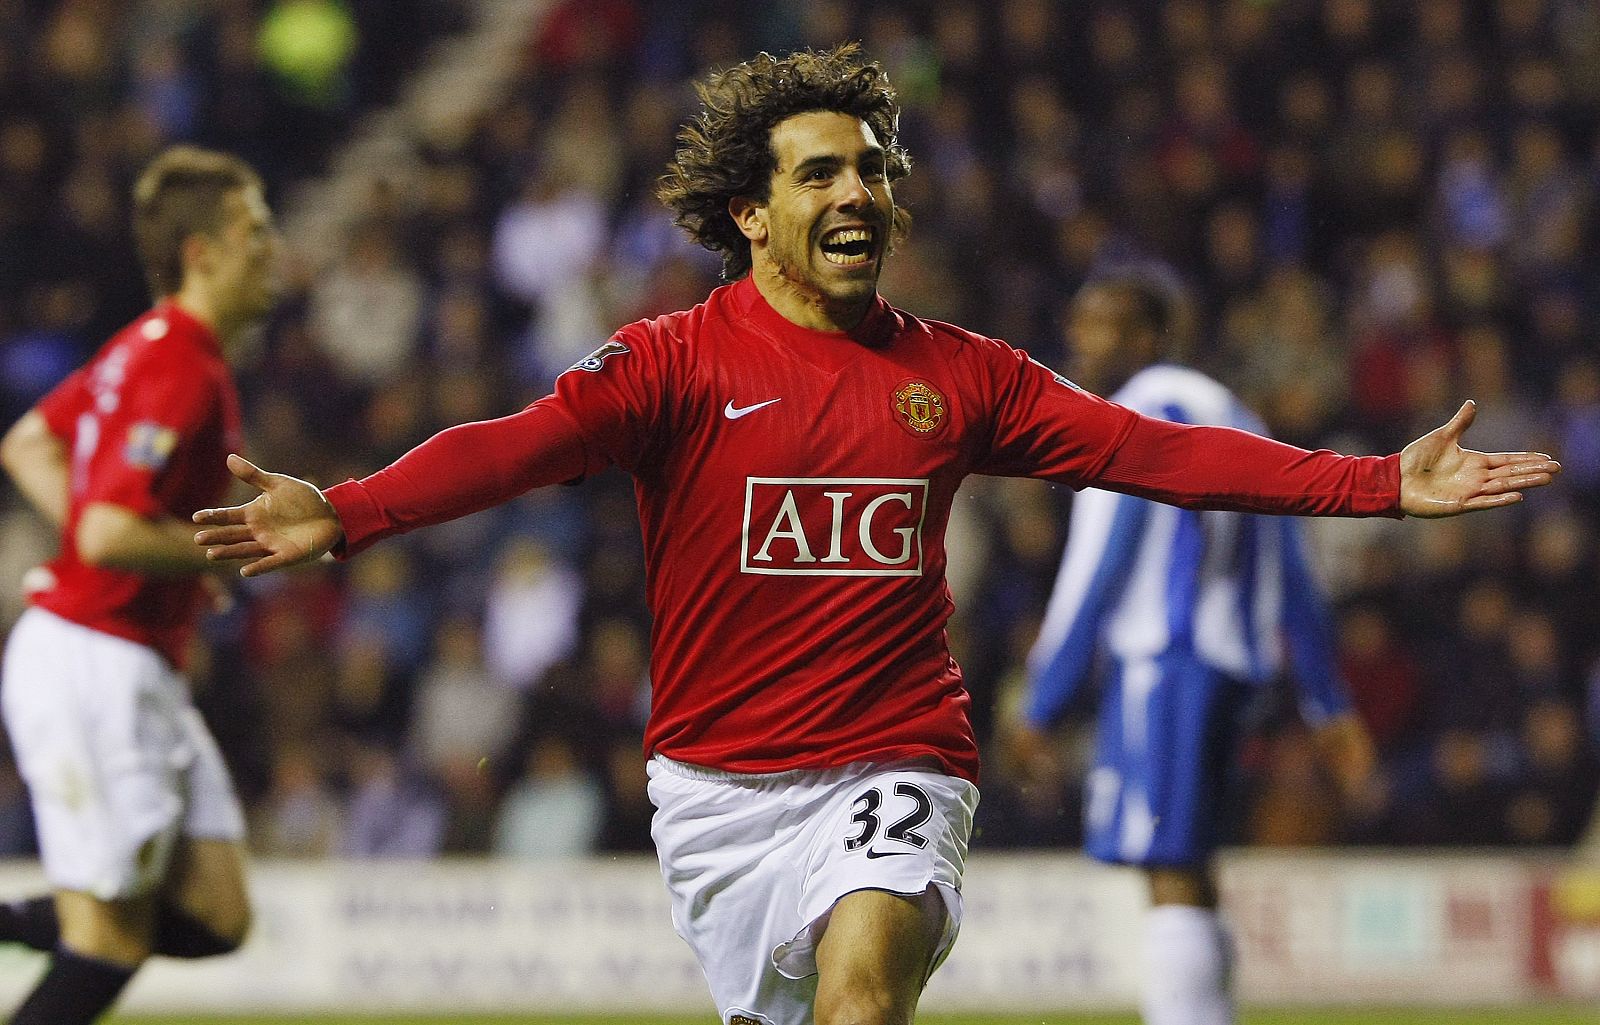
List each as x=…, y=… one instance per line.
x=1440, y=478
x=290, y=522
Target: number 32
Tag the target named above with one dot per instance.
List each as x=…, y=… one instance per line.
x=902, y=830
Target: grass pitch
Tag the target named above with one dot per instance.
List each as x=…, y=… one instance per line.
x=1397, y=1016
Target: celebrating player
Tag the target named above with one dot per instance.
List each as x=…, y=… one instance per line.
x=796, y=444
x=139, y=829
x=1194, y=610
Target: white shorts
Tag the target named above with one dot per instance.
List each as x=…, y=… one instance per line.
x=754, y=864
x=117, y=760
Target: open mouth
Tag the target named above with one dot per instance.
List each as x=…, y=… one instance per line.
x=850, y=247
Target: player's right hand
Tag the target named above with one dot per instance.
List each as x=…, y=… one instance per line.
x=290, y=522
x=1029, y=756
x=1348, y=751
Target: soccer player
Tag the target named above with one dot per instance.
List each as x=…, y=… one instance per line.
x=139, y=829
x=1195, y=611
x=796, y=443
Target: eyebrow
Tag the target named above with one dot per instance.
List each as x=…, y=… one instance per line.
x=810, y=164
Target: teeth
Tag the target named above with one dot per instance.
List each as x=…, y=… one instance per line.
x=844, y=235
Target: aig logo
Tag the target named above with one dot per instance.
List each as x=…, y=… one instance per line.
x=833, y=526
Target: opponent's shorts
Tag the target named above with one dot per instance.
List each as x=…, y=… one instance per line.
x=1168, y=735
x=755, y=863
x=117, y=760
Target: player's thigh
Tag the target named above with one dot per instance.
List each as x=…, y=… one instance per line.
x=1196, y=725
x=875, y=956
x=207, y=881
x=731, y=850
x=207, y=878
x=758, y=866
x=1168, y=737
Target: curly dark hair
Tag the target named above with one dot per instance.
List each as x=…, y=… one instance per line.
x=726, y=149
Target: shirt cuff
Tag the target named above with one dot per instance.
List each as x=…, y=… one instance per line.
x=359, y=517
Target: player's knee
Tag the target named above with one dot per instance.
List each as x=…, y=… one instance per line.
x=862, y=1004
x=231, y=928
x=234, y=929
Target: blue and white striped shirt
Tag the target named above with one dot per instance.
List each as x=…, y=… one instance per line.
x=1140, y=579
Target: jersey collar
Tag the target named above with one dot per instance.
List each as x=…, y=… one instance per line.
x=876, y=330
x=185, y=325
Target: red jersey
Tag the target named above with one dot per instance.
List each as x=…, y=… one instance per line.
x=793, y=489
x=148, y=424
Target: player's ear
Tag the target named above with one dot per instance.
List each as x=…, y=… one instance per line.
x=750, y=216
x=195, y=252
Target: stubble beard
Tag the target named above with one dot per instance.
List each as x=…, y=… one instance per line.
x=842, y=300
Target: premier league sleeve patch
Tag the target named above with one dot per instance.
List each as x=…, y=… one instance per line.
x=597, y=359
x=1059, y=378
x=149, y=445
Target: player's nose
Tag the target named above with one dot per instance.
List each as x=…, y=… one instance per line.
x=855, y=193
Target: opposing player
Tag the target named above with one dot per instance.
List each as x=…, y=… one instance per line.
x=796, y=444
x=1195, y=611
x=139, y=829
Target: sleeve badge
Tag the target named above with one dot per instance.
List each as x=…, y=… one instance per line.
x=597, y=359
x=149, y=445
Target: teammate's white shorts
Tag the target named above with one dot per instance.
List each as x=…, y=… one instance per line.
x=117, y=760
x=754, y=864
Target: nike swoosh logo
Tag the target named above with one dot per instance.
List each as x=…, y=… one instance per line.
x=886, y=854
x=733, y=412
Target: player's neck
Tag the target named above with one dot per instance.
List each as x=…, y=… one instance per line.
x=806, y=307
x=197, y=303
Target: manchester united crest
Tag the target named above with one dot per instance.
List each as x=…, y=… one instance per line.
x=921, y=408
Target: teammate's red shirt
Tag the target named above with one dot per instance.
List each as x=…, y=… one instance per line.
x=148, y=424
x=793, y=489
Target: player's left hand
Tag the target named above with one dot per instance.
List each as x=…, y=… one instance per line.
x=287, y=524
x=1440, y=478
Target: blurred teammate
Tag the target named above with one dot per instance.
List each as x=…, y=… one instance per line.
x=139, y=829
x=796, y=444
x=1194, y=611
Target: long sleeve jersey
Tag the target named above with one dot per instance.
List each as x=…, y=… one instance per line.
x=793, y=488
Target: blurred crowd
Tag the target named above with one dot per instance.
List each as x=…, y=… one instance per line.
x=1376, y=209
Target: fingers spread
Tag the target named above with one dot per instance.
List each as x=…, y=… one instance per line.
x=265, y=565
x=224, y=535
x=1462, y=420
x=248, y=472
x=242, y=550
x=1495, y=460
x=218, y=517
x=1491, y=501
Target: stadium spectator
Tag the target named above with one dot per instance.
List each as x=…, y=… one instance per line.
x=554, y=808
x=367, y=309
x=394, y=810
x=462, y=714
